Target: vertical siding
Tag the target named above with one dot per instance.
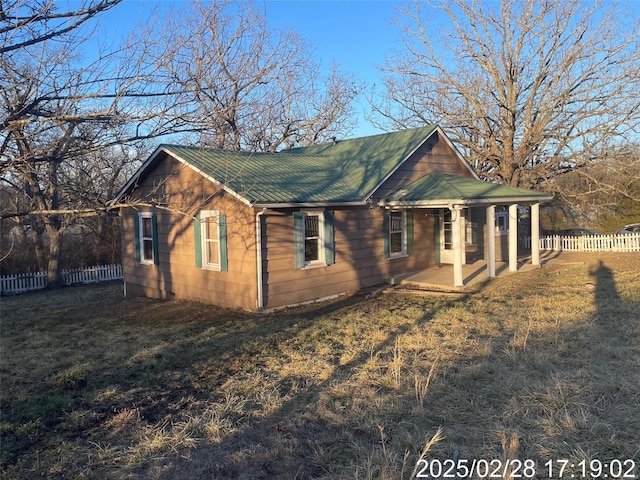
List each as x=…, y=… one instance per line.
x=176, y=275
x=359, y=259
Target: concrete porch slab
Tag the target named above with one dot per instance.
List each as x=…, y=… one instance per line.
x=440, y=277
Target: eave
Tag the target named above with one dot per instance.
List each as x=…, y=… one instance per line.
x=446, y=203
x=153, y=157
x=308, y=204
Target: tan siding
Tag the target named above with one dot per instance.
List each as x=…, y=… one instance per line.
x=360, y=261
x=176, y=275
x=433, y=156
x=359, y=242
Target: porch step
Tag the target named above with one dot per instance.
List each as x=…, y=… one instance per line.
x=407, y=280
x=421, y=292
x=407, y=283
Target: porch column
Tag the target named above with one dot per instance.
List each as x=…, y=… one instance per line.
x=491, y=241
x=535, y=234
x=456, y=215
x=513, y=237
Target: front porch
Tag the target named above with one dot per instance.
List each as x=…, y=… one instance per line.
x=450, y=199
x=439, y=277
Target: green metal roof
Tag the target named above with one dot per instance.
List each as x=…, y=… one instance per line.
x=347, y=171
x=439, y=187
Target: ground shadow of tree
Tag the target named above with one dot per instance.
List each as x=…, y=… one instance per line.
x=568, y=390
x=523, y=368
x=549, y=391
x=295, y=429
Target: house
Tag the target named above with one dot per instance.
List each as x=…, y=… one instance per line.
x=265, y=230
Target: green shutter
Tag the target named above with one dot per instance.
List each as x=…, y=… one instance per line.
x=222, y=229
x=136, y=229
x=197, y=240
x=298, y=240
x=409, y=217
x=154, y=237
x=385, y=232
x=329, y=239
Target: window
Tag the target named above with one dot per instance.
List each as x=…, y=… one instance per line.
x=502, y=221
x=448, y=229
x=397, y=225
x=146, y=235
x=211, y=240
x=398, y=233
x=313, y=238
x=146, y=238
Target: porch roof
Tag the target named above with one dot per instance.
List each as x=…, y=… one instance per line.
x=440, y=189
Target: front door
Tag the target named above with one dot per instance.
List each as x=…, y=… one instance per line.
x=446, y=236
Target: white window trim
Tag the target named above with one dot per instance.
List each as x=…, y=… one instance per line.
x=504, y=214
x=141, y=217
x=403, y=251
x=321, y=261
x=204, y=241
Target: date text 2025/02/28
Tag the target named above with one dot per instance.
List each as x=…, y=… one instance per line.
x=528, y=469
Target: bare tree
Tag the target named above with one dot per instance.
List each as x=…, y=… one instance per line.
x=27, y=22
x=248, y=88
x=58, y=109
x=529, y=89
x=217, y=75
x=607, y=192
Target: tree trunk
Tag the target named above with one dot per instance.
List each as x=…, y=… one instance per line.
x=38, y=238
x=54, y=268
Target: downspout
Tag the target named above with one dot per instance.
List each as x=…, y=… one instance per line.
x=260, y=302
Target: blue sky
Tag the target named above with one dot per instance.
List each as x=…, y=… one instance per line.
x=357, y=34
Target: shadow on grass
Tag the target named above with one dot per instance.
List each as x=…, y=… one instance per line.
x=543, y=394
x=528, y=368
x=289, y=441
x=565, y=385
x=156, y=358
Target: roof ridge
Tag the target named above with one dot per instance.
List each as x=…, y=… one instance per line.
x=431, y=126
x=246, y=153
x=293, y=150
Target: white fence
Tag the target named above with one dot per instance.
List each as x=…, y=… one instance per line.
x=25, y=282
x=629, y=242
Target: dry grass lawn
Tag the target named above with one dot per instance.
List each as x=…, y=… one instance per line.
x=538, y=365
